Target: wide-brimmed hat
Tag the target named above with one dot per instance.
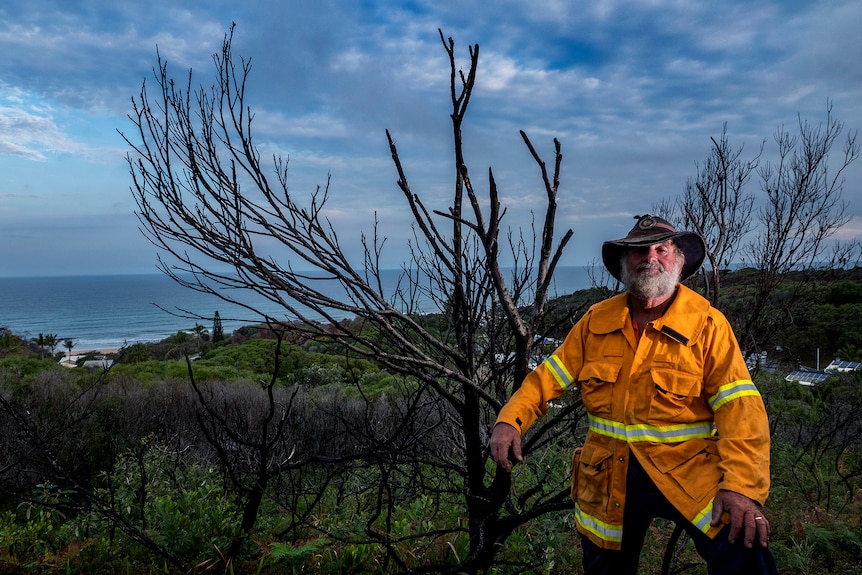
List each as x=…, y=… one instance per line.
x=651, y=230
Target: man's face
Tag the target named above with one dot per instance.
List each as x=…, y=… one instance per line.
x=652, y=271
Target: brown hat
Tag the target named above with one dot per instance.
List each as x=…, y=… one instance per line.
x=651, y=230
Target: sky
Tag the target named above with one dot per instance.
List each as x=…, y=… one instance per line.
x=633, y=90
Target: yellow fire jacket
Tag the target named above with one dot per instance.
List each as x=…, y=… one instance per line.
x=681, y=400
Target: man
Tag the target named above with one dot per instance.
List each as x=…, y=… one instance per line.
x=677, y=428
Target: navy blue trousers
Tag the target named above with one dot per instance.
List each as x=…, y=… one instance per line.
x=644, y=502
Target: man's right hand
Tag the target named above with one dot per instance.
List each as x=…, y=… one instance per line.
x=506, y=442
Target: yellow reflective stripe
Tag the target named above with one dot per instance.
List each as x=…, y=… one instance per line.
x=606, y=531
x=669, y=433
x=559, y=371
x=732, y=391
x=607, y=427
x=657, y=433
x=703, y=519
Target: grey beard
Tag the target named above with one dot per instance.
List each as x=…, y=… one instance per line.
x=645, y=286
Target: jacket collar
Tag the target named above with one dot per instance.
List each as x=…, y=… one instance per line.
x=683, y=321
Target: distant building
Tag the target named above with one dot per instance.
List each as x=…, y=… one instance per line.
x=100, y=363
x=811, y=377
x=808, y=378
x=839, y=364
x=95, y=362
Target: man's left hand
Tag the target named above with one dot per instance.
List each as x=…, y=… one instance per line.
x=746, y=517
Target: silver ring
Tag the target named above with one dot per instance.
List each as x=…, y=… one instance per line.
x=758, y=518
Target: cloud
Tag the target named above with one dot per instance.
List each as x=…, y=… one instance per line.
x=80, y=54
x=632, y=89
x=277, y=125
x=30, y=133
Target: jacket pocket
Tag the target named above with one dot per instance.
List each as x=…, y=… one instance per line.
x=673, y=395
x=694, y=468
x=593, y=476
x=597, y=394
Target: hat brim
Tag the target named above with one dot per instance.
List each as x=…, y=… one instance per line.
x=691, y=244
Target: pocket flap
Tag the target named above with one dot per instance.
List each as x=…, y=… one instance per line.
x=593, y=455
x=667, y=457
x=600, y=371
x=677, y=383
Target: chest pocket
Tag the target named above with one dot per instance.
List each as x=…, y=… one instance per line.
x=595, y=380
x=674, y=394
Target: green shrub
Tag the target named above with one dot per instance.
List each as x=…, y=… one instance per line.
x=180, y=505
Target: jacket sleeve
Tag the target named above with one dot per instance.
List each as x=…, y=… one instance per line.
x=551, y=379
x=740, y=416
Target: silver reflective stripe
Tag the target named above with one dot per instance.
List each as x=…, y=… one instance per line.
x=594, y=525
x=703, y=519
x=559, y=371
x=656, y=433
x=731, y=391
x=607, y=427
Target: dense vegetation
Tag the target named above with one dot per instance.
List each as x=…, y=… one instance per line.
x=150, y=466
x=805, y=316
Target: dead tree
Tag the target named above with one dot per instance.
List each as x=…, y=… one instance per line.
x=206, y=200
x=802, y=211
x=792, y=234
x=717, y=206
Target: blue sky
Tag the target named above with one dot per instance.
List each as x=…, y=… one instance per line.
x=633, y=90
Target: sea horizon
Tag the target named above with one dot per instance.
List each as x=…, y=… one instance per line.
x=109, y=311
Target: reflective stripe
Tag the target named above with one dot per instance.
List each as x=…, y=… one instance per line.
x=607, y=427
x=703, y=519
x=732, y=391
x=610, y=532
x=657, y=433
x=596, y=526
x=559, y=371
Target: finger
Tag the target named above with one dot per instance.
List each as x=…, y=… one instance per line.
x=737, y=525
x=496, y=448
x=500, y=452
x=763, y=530
x=505, y=441
x=735, y=528
x=515, y=451
x=503, y=461
x=751, y=527
x=717, y=510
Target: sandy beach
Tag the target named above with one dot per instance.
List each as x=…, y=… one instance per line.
x=72, y=360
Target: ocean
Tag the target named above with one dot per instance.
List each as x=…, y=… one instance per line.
x=109, y=311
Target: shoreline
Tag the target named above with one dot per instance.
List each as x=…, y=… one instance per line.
x=99, y=351
x=72, y=360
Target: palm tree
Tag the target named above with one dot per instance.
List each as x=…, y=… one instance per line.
x=40, y=341
x=69, y=345
x=51, y=341
x=181, y=340
x=199, y=331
